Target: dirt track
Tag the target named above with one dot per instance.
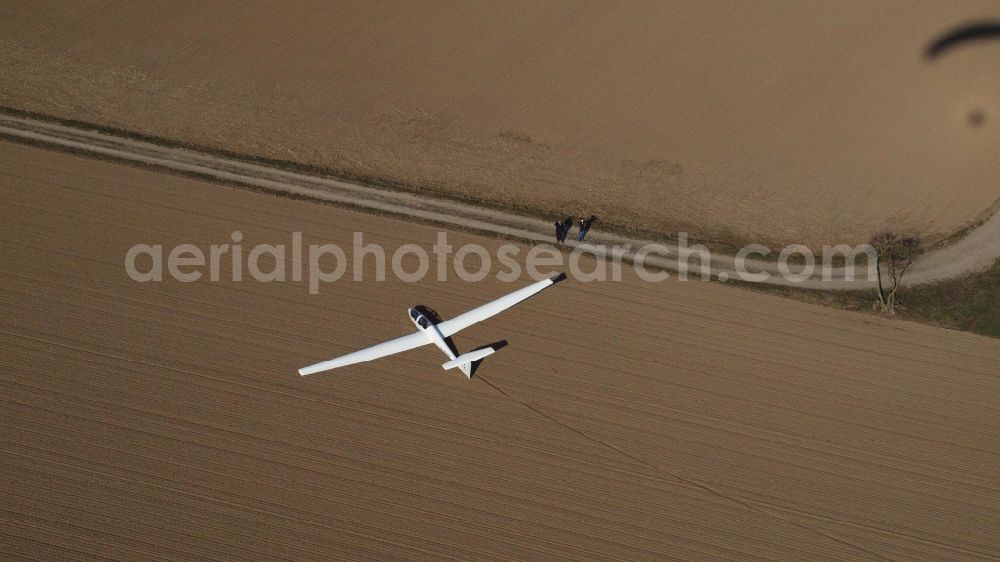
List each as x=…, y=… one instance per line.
x=656, y=421
x=974, y=252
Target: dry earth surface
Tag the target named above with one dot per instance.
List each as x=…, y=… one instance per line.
x=626, y=420
x=782, y=122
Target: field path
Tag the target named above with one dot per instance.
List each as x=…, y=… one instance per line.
x=975, y=252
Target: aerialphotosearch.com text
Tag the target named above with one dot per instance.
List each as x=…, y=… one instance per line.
x=318, y=264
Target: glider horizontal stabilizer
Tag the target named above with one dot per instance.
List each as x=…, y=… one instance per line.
x=468, y=357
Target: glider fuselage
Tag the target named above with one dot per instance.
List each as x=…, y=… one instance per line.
x=427, y=325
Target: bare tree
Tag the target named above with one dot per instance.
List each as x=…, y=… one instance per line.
x=895, y=253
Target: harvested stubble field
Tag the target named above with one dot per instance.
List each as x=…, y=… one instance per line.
x=768, y=122
x=626, y=420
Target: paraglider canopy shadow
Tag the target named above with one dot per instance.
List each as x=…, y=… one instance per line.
x=964, y=35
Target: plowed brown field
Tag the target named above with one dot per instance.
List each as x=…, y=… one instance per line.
x=625, y=420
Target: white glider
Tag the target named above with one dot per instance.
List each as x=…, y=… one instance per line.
x=431, y=331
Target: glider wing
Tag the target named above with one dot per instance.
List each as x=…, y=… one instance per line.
x=390, y=347
x=480, y=313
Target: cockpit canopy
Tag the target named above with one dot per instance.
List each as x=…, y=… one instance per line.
x=419, y=318
x=424, y=316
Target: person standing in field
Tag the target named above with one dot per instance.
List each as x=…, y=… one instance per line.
x=560, y=232
x=567, y=225
x=585, y=226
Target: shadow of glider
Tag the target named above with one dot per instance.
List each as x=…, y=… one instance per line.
x=431, y=330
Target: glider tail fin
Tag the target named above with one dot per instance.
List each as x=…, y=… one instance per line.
x=464, y=361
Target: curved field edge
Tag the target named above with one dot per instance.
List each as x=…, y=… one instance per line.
x=970, y=303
